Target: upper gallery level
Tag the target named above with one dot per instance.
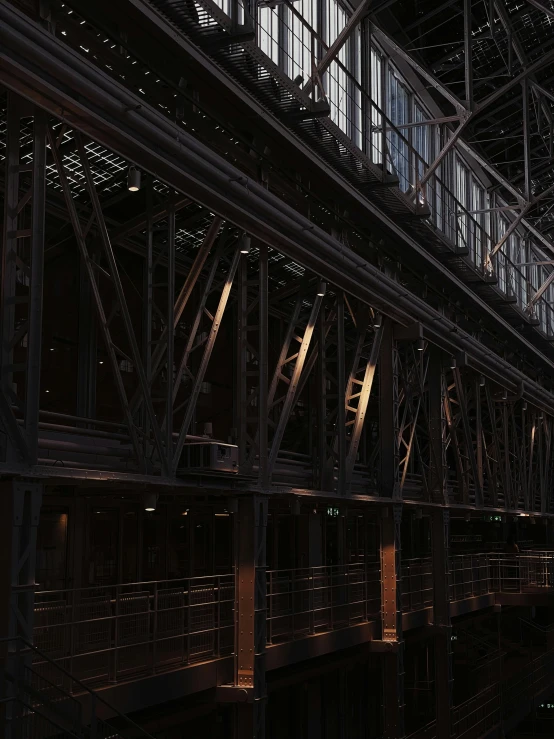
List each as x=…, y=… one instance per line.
x=360, y=126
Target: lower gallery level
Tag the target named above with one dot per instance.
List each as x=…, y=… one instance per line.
x=186, y=613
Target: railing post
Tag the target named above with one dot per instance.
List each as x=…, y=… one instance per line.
x=312, y=604
x=116, y=636
x=154, y=628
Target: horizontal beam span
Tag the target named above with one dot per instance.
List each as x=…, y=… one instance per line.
x=42, y=69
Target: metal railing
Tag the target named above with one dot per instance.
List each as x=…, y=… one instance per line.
x=37, y=704
x=482, y=713
x=313, y=600
x=417, y=584
x=110, y=633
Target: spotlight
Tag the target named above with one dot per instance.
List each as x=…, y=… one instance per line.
x=524, y=406
x=245, y=244
x=482, y=381
x=133, y=179
x=150, y=501
x=504, y=395
x=452, y=362
x=321, y=288
x=420, y=345
x=377, y=321
x=467, y=517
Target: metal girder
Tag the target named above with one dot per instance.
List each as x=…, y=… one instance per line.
x=516, y=222
x=251, y=614
x=543, y=6
x=468, y=60
x=146, y=136
x=391, y=600
x=199, y=379
x=121, y=299
x=263, y=370
x=22, y=281
x=181, y=303
x=140, y=223
x=102, y=318
x=362, y=396
x=468, y=440
x=338, y=43
x=293, y=383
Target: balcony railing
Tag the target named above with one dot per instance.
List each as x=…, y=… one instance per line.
x=480, y=714
x=107, y=634
x=417, y=584
x=313, y=600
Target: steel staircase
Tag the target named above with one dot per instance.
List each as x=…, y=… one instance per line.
x=37, y=701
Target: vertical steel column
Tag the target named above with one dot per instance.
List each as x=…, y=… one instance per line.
x=526, y=140
x=18, y=534
x=242, y=348
x=148, y=299
x=341, y=399
x=468, y=60
x=388, y=413
x=34, y=328
x=437, y=485
x=264, y=369
x=441, y=618
x=170, y=327
x=391, y=604
x=86, y=359
x=251, y=616
x=324, y=472
x=22, y=271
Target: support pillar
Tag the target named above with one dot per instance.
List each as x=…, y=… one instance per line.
x=442, y=624
x=393, y=660
x=21, y=503
x=86, y=361
x=251, y=612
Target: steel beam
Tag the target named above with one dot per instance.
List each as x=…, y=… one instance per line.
x=126, y=124
x=338, y=43
x=199, y=379
x=361, y=408
x=291, y=394
x=170, y=330
x=251, y=614
x=393, y=662
x=264, y=372
x=388, y=414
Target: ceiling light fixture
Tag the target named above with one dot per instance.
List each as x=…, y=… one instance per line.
x=133, y=179
x=245, y=244
x=150, y=501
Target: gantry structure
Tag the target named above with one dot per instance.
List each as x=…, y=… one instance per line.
x=277, y=370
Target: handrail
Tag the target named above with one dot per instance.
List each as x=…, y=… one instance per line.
x=544, y=629
x=131, y=584
x=34, y=709
x=96, y=696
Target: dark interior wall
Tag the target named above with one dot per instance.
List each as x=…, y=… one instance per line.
x=97, y=540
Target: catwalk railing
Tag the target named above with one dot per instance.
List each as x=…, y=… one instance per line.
x=312, y=600
x=111, y=633
x=36, y=703
x=472, y=575
x=503, y=701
